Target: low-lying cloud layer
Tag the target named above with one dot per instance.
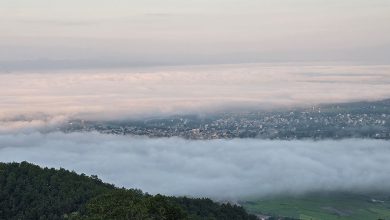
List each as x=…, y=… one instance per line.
x=174, y=90
x=221, y=169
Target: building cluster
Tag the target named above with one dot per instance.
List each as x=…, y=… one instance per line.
x=297, y=124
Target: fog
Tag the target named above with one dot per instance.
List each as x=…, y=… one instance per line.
x=40, y=97
x=220, y=169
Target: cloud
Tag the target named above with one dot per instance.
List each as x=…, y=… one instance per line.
x=123, y=93
x=32, y=123
x=221, y=169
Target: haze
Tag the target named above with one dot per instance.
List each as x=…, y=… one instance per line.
x=47, y=34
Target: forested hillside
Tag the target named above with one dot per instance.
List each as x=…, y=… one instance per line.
x=30, y=192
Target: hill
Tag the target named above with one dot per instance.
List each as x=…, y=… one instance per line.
x=28, y=191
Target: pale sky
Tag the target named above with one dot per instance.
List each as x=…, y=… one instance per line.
x=117, y=33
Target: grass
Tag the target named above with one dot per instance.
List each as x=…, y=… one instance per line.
x=324, y=206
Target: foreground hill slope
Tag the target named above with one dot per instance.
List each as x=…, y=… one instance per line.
x=28, y=191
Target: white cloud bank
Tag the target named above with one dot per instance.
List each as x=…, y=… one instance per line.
x=221, y=169
x=170, y=90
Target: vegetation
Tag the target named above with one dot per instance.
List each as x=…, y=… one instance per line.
x=329, y=206
x=30, y=192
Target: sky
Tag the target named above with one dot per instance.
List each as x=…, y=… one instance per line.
x=54, y=34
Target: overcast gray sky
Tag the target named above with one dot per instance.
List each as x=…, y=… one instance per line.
x=102, y=33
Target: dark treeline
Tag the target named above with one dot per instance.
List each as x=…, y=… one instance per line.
x=28, y=191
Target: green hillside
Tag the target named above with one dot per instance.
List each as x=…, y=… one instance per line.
x=30, y=192
x=325, y=206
